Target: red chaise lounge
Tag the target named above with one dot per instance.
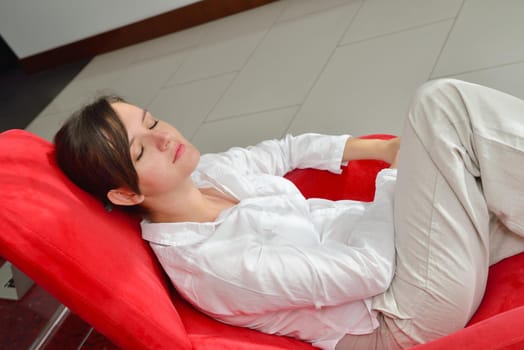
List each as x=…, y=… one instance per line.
x=96, y=264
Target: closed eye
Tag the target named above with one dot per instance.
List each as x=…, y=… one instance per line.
x=140, y=154
x=154, y=124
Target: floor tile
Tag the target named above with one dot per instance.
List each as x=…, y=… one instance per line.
x=487, y=33
x=367, y=86
x=227, y=43
x=115, y=73
x=82, y=89
x=228, y=56
x=47, y=125
x=167, y=44
x=243, y=131
x=508, y=78
x=139, y=83
x=187, y=106
x=299, y=8
x=258, y=19
x=285, y=65
x=107, y=63
x=379, y=17
x=147, y=50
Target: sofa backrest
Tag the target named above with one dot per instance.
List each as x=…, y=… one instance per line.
x=93, y=261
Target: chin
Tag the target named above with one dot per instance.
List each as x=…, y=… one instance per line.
x=192, y=158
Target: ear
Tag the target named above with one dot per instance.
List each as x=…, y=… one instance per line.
x=124, y=196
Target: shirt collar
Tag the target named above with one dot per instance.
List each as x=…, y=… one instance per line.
x=177, y=233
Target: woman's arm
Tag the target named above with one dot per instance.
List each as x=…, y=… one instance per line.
x=311, y=150
x=277, y=157
x=385, y=150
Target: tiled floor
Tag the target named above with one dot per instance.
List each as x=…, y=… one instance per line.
x=331, y=66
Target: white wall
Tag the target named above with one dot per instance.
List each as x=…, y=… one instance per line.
x=34, y=26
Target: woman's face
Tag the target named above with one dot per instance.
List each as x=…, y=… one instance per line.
x=162, y=157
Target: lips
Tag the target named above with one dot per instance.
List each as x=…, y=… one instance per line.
x=178, y=152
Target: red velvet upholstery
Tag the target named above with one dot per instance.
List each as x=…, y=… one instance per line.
x=96, y=264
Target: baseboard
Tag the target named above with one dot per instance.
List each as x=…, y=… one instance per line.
x=166, y=23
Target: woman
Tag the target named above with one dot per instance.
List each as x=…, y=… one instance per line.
x=242, y=244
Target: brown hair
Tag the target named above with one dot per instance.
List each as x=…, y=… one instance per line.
x=92, y=149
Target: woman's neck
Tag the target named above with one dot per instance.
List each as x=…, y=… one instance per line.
x=189, y=205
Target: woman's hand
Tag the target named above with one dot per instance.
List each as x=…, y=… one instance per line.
x=392, y=147
x=394, y=163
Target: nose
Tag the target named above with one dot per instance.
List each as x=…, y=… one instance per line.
x=161, y=140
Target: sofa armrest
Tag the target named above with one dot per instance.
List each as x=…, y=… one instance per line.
x=501, y=331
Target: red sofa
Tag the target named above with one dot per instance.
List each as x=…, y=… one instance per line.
x=96, y=264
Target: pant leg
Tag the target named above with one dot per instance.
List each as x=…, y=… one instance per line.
x=460, y=171
x=382, y=338
x=503, y=242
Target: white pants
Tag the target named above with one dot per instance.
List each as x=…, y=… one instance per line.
x=459, y=207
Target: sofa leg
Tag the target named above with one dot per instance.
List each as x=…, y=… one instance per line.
x=50, y=328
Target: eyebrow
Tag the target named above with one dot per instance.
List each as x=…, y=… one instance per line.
x=144, y=113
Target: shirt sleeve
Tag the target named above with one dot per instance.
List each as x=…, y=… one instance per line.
x=251, y=275
x=277, y=157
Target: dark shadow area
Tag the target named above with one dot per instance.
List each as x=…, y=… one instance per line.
x=23, y=96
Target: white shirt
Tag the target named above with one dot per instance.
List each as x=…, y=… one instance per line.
x=277, y=262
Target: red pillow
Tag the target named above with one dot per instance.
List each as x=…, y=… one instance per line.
x=94, y=262
x=357, y=181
